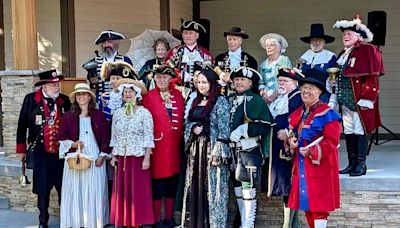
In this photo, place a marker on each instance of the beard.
(108, 51)
(282, 90)
(56, 95)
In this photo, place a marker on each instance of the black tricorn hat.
(163, 69)
(247, 72)
(314, 77)
(236, 31)
(49, 76)
(118, 68)
(109, 35)
(317, 31)
(292, 73)
(193, 26)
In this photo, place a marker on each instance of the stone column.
(14, 86)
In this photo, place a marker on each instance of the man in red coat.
(166, 105)
(184, 57)
(360, 65)
(313, 137)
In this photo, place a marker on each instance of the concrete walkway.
(19, 219)
(383, 173)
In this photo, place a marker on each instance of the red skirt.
(131, 201)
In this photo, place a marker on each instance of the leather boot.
(361, 168)
(239, 200)
(352, 149)
(249, 208)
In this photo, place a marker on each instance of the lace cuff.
(65, 145)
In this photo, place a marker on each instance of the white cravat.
(235, 57)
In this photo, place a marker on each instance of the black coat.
(48, 168)
(251, 61)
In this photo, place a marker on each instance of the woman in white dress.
(84, 195)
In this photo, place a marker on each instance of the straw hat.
(281, 40)
(138, 86)
(81, 88)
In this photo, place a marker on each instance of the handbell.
(222, 74)
(170, 63)
(333, 73)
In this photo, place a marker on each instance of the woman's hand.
(76, 144)
(146, 162)
(114, 161)
(197, 130)
(99, 161)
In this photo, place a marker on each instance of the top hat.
(356, 26)
(236, 31)
(81, 88)
(109, 35)
(293, 73)
(317, 31)
(314, 77)
(49, 76)
(193, 26)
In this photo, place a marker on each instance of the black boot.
(351, 145)
(361, 168)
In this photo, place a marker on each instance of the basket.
(79, 162)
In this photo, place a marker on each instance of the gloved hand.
(239, 132)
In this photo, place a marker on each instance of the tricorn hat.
(193, 26)
(246, 72)
(314, 77)
(317, 31)
(163, 69)
(357, 26)
(236, 31)
(292, 73)
(109, 35)
(118, 68)
(49, 76)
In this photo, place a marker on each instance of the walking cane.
(116, 194)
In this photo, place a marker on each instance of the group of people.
(184, 127)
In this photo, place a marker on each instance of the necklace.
(166, 97)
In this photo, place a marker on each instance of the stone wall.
(20, 198)
(14, 86)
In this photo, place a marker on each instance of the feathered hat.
(357, 26)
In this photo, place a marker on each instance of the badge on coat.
(38, 119)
